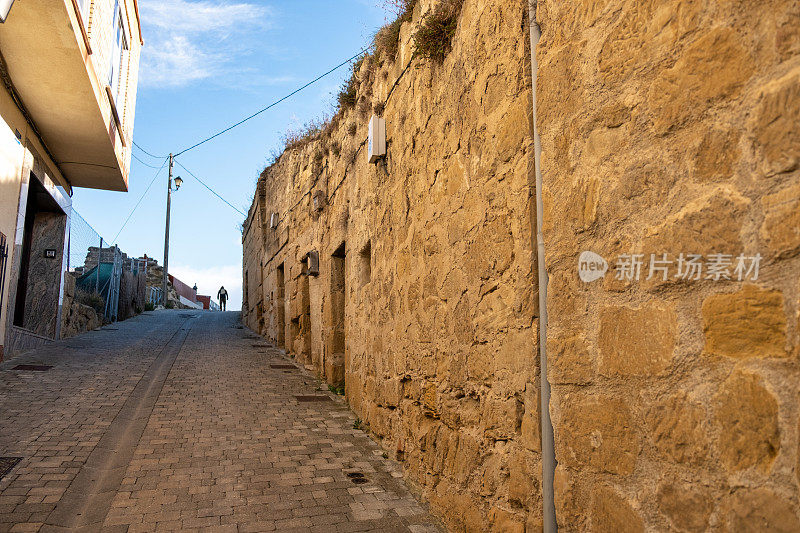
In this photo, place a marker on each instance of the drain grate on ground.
(357, 477)
(33, 368)
(7, 464)
(312, 398)
(283, 367)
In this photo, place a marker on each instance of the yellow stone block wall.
(441, 328)
(673, 127)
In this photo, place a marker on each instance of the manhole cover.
(33, 368)
(283, 367)
(7, 464)
(312, 398)
(353, 475)
(359, 480)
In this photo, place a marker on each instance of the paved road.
(181, 421)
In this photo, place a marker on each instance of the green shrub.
(387, 39)
(301, 137)
(348, 94)
(149, 306)
(434, 38)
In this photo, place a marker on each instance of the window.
(120, 47)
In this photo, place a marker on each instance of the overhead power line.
(148, 153)
(273, 104)
(140, 200)
(210, 189)
(142, 162)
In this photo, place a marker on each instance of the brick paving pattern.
(180, 422)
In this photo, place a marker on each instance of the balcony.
(47, 57)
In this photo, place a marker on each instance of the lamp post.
(178, 183)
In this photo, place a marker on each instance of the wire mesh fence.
(105, 278)
(83, 241)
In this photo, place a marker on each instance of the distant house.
(208, 303)
(68, 80)
(186, 294)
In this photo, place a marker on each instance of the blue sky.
(206, 65)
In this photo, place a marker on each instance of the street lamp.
(178, 183)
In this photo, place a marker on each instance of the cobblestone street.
(177, 420)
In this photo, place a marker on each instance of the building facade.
(70, 71)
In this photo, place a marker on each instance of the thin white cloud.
(193, 40)
(210, 279)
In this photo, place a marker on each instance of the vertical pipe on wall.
(548, 443)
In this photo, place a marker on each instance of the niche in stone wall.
(365, 263)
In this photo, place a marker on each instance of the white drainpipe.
(548, 442)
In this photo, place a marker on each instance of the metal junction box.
(377, 138)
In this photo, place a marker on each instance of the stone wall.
(673, 128)
(132, 294)
(424, 304)
(670, 134)
(76, 318)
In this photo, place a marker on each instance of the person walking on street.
(222, 296)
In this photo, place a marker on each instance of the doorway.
(280, 307)
(335, 362)
(39, 281)
(305, 314)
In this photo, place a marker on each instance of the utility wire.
(140, 201)
(148, 153)
(210, 189)
(142, 162)
(273, 104)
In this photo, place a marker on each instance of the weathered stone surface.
(570, 510)
(777, 124)
(712, 68)
(613, 514)
(706, 225)
(597, 433)
(636, 342)
(569, 359)
(746, 415)
(781, 227)
(748, 323)
(687, 507)
(677, 429)
(761, 509)
(717, 155)
(505, 521)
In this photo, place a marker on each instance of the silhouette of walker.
(222, 296)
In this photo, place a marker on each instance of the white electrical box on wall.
(273, 220)
(377, 138)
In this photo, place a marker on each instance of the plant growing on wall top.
(387, 39)
(434, 38)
